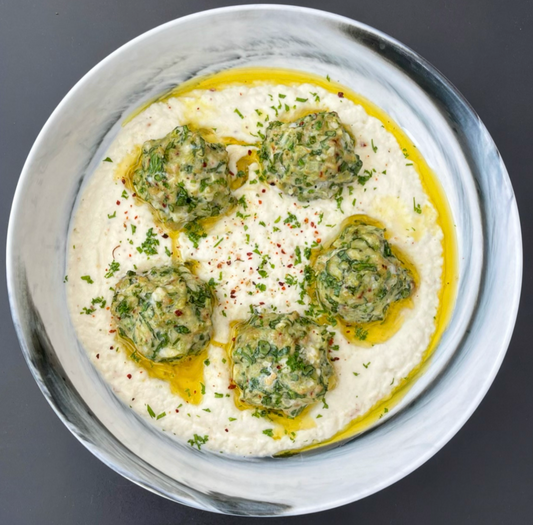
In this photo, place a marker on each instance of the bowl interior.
(441, 124)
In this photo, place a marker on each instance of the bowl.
(442, 125)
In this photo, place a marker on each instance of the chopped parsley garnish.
(374, 148)
(361, 333)
(292, 220)
(198, 441)
(125, 195)
(238, 112)
(297, 255)
(99, 300)
(87, 278)
(108, 159)
(113, 215)
(150, 411)
(298, 99)
(291, 280)
(242, 202)
(149, 246)
(268, 432)
(339, 199)
(113, 267)
(87, 311)
(417, 207)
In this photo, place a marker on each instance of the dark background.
(484, 475)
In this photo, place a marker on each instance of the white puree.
(233, 264)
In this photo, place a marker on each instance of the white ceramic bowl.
(442, 125)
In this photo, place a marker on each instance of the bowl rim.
(11, 272)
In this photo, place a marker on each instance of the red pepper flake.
(260, 202)
(112, 332)
(118, 203)
(289, 265)
(163, 204)
(111, 347)
(249, 152)
(228, 263)
(335, 359)
(129, 376)
(165, 236)
(133, 195)
(97, 356)
(283, 252)
(178, 313)
(177, 411)
(340, 94)
(330, 342)
(232, 386)
(249, 254)
(319, 240)
(123, 181)
(312, 224)
(226, 430)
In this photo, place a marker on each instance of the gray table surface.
(484, 475)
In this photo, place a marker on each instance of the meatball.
(358, 277)
(165, 312)
(183, 177)
(280, 362)
(311, 158)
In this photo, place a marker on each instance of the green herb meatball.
(280, 362)
(311, 158)
(165, 312)
(359, 277)
(183, 177)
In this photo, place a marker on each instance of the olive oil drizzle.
(432, 188)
